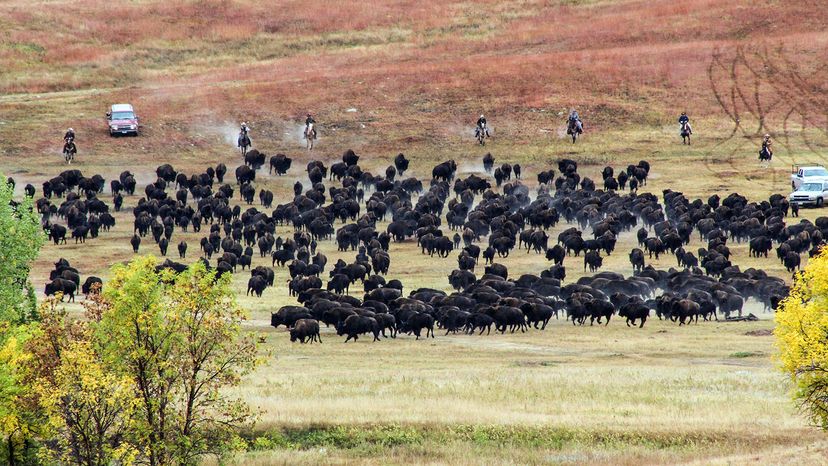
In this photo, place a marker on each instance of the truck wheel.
(819, 202)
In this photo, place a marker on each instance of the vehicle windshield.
(811, 187)
(123, 116)
(815, 172)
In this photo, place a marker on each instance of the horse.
(685, 132)
(69, 151)
(480, 134)
(310, 135)
(244, 143)
(765, 154)
(574, 128)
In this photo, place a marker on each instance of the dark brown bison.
(305, 330)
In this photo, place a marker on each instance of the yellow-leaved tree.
(802, 338)
(89, 408)
(18, 422)
(86, 406)
(144, 376)
(178, 338)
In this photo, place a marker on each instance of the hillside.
(418, 73)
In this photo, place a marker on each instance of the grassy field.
(596, 395)
(388, 77)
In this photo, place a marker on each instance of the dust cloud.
(295, 132)
(226, 132)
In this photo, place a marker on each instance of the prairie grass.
(607, 395)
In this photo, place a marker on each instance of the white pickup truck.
(811, 192)
(801, 175)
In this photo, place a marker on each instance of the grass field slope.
(384, 77)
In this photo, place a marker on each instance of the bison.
(356, 325)
(305, 330)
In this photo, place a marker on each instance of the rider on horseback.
(766, 153)
(308, 122)
(481, 126)
(244, 138)
(69, 136)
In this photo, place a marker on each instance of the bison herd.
(475, 218)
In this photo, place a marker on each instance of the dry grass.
(612, 378)
(418, 73)
(662, 394)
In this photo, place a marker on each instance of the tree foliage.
(802, 338)
(142, 378)
(179, 339)
(20, 242)
(21, 237)
(18, 422)
(87, 406)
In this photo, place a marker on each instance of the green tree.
(179, 339)
(20, 243)
(802, 338)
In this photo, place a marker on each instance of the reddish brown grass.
(418, 62)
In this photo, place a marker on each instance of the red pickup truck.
(122, 120)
